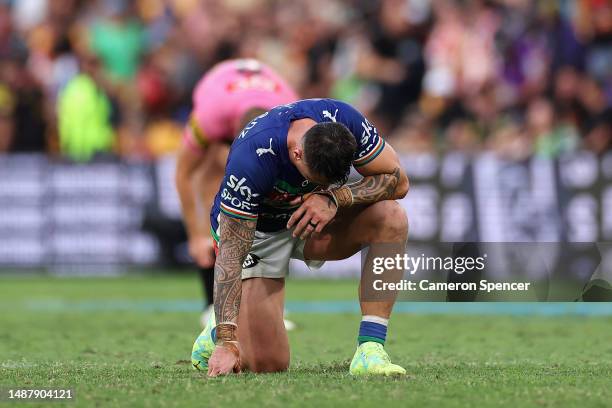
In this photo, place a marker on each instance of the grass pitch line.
(329, 307)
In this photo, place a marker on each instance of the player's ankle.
(372, 328)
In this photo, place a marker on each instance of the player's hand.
(224, 360)
(202, 250)
(314, 214)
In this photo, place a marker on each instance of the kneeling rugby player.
(274, 204)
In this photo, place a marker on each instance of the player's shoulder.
(316, 103)
(325, 102)
(345, 108)
(260, 137)
(327, 109)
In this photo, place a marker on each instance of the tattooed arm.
(374, 188)
(237, 238)
(235, 244)
(384, 179)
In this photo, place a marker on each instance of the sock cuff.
(375, 319)
(365, 339)
(372, 331)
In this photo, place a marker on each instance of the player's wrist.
(226, 333)
(227, 339)
(343, 196)
(329, 194)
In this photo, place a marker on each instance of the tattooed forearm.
(236, 240)
(375, 188)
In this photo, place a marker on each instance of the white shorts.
(270, 254)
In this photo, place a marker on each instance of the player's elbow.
(402, 186)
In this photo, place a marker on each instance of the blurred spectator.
(595, 20)
(84, 115)
(414, 134)
(550, 140)
(393, 60)
(7, 106)
(515, 76)
(22, 124)
(117, 38)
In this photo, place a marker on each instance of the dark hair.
(329, 149)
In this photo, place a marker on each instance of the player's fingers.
(315, 224)
(220, 371)
(301, 226)
(307, 232)
(213, 369)
(320, 226)
(296, 216)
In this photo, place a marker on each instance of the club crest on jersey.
(328, 115)
(261, 151)
(250, 261)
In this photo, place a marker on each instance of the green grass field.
(127, 341)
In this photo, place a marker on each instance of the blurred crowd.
(84, 78)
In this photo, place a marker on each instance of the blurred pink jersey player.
(226, 93)
(229, 96)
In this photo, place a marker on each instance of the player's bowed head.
(323, 155)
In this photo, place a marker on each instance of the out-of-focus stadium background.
(501, 111)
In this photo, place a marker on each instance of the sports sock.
(207, 277)
(373, 328)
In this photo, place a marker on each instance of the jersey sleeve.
(369, 142)
(248, 178)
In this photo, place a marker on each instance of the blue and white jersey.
(260, 181)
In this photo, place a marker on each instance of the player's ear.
(297, 153)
